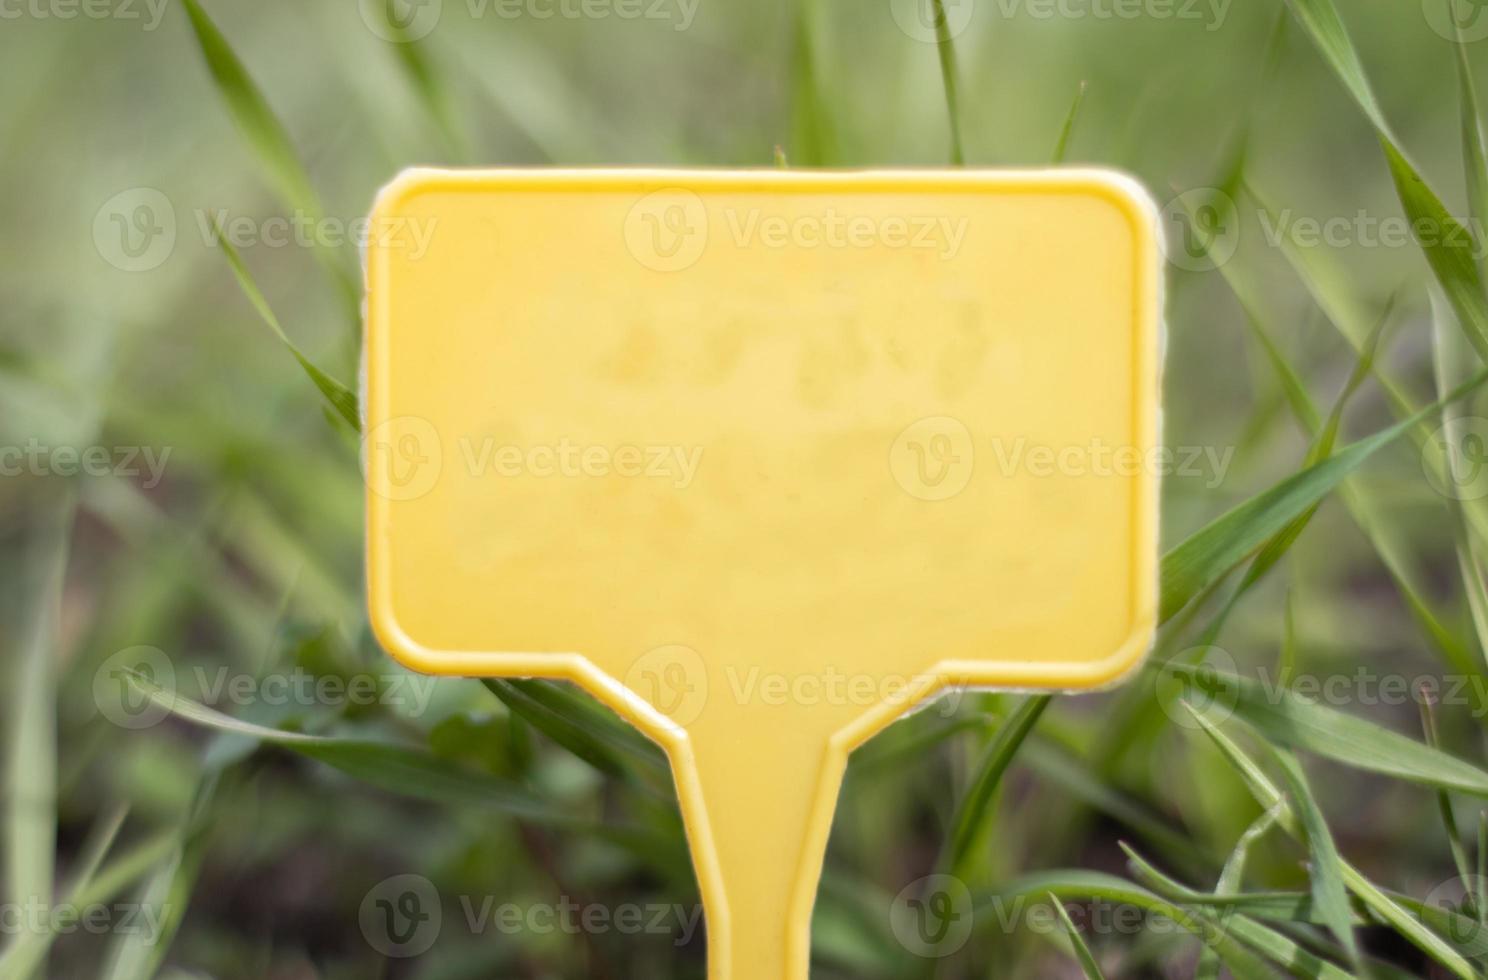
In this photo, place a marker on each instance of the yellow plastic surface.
(763, 459)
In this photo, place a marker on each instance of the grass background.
(259, 850)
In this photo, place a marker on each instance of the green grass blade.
(31, 729)
(339, 397)
(1462, 933)
(1365, 512)
(1093, 885)
(607, 745)
(1324, 439)
(24, 957)
(1268, 942)
(1322, 448)
(1450, 360)
(1381, 905)
(1444, 799)
(1217, 548)
(971, 813)
(1061, 148)
(1481, 891)
(1329, 894)
(251, 112)
(946, 48)
(1320, 19)
(1399, 918)
(1088, 966)
(576, 738)
(1474, 150)
(396, 768)
(812, 143)
(270, 142)
(1232, 876)
(434, 95)
(1452, 249)
(1294, 958)
(1292, 385)
(1059, 768)
(1467, 936)
(1286, 719)
(1266, 792)
(1327, 283)
(910, 742)
(138, 955)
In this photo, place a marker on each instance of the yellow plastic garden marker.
(762, 459)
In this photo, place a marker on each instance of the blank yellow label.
(763, 459)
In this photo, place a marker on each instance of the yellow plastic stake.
(762, 460)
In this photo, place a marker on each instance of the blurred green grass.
(247, 554)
